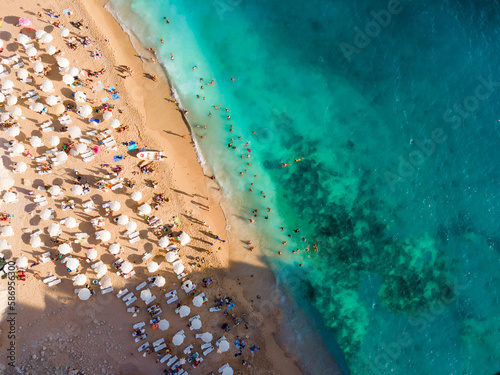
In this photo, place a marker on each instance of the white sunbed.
(88, 206)
(121, 293)
(131, 301)
(171, 293)
(20, 64)
(165, 358)
(128, 275)
(85, 140)
(160, 347)
(117, 186)
(147, 256)
(188, 349)
(171, 361)
(45, 257)
(92, 132)
(128, 296)
(134, 240)
(55, 282)
(143, 346)
(138, 325)
(206, 346)
(173, 299)
(141, 285)
(49, 279)
(158, 342)
(223, 367)
(141, 337)
(46, 127)
(33, 98)
(149, 300)
(209, 350)
(107, 290)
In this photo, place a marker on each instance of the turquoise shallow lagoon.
(393, 110)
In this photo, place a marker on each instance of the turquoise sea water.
(397, 123)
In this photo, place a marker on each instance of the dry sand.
(56, 331)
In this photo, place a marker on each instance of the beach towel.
(105, 99)
(115, 96)
(132, 146)
(118, 158)
(96, 120)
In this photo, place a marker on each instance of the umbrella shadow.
(5, 36)
(12, 47)
(12, 20)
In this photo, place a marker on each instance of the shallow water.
(399, 180)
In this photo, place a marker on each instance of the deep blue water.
(393, 108)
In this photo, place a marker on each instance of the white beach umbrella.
(23, 39)
(9, 197)
(7, 231)
(84, 111)
(145, 209)
(22, 74)
(227, 371)
(64, 32)
(79, 279)
(47, 86)
(67, 79)
(61, 157)
(91, 253)
(14, 131)
(103, 235)
(4, 245)
(73, 71)
(163, 324)
(54, 229)
(52, 100)
(58, 109)
(4, 117)
(136, 196)
(50, 50)
(153, 267)
(38, 67)
(171, 256)
(159, 281)
(77, 190)
(64, 248)
(178, 339)
(54, 141)
(39, 33)
(207, 337)
(105, 282)
(81, 148)
(114, 249)
(115, 206)
(164, 242)
(46, 38)
(131, 226)
(198, 301)
(55, 190)
(72, 264)
(80, 97)
(31, 51)
(7, 84)
(223, 346)
(127, 267)
(122, 220)
(2, 96)
(37, 107)
(16, 112)
(70, 222)
(107, 115)
(178, 267)
(35, 241)
(36, 141)
(17, 149)
(22, 263)
(184, 238)
(20, 167)
(145, 294)
(184, 311)
(84, 294)
(75, 132)
(11, 100)
(45, 214)
(100, 269)
(196, 324)
(114, 123)
(63, 62)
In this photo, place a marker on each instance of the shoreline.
(146, 104)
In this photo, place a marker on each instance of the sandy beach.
(56, 332)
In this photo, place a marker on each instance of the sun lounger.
(160, 347)
(149, 300)
(143, 346)
(85, 140)
(173, 299)
(88, 206)
(171, 361)
(135, 239)
(107, 290)
(158, 342)
(141, 337)
(182, 275)
(138, 325)
(45, 257)
(147, 256)
(133, 234)
(220, 340)
(223, 367)
(205, 346)
(188, 349)
(20, 64)
(131, 301)
(49, 279)
(41, 159)
(5, 73)
(209, 350)
(214, 309)
(121, 293)
(141, 285)
(171, 293)
(55, 282)
(117, 186)
(128, 296)
(129, 275)
(92, 132)
(165, 358)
